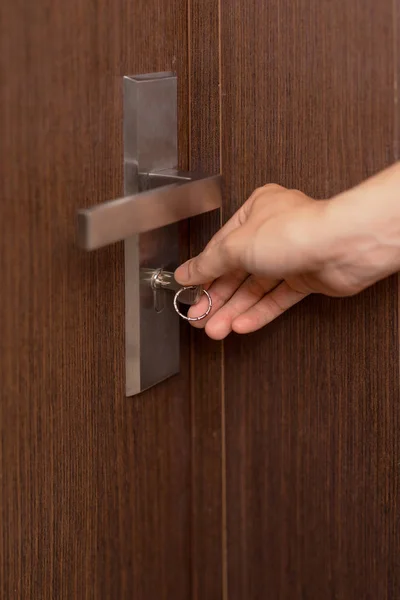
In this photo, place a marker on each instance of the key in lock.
(163, 282)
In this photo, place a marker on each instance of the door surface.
(269, 468)
(309, 100)
(95, 488)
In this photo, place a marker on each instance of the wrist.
(363, 227)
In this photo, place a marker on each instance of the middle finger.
(247, 295)
(221, 290)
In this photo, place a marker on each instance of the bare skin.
(282, 245)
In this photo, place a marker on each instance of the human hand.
(277, 248)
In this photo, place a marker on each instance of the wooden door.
(95, 488)
(269, 468)
(310, 416)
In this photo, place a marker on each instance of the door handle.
(156, 197)
(182, 196)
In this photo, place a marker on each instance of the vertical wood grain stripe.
(206, 355)
(312, 401)
(94, 486)
(225, 588)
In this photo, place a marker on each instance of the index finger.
(217, 258)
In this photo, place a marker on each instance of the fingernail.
(182, 273)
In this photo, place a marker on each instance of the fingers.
(271, 306)
(247, 295)
(217, 259)
(221, 290)
(227, 248)
(233, 223)
(207, 266)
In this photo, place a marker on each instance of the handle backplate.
(156, 197)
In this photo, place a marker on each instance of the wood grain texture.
(206, 355)
(312, 401)
(95, 488)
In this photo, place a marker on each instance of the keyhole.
(158, 299)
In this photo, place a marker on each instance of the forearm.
(365, 225)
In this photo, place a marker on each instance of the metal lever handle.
(185, 195)
(156, 196)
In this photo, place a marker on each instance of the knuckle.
(194, 267)
(272, 187)
(267, 195)
(255, 287)
(268, 188)
(229, 249)
(297, 194)
(203, 267)
(276, 307)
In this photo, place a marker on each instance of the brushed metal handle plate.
(156, 197)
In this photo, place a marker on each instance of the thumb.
(213, 262)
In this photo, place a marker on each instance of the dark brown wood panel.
(312, 401)
(206, 355)
(95, 488)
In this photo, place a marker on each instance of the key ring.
(192, 287)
